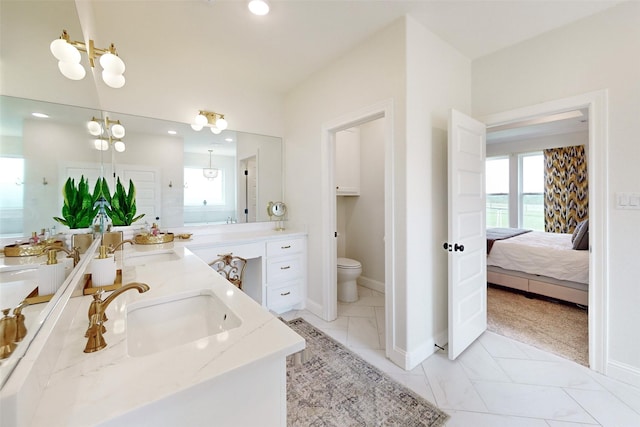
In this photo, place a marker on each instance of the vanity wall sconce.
(108, 132)
(67, 52)
(215, 121)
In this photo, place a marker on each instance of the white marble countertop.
(88, 388)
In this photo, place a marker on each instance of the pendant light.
(210, 173)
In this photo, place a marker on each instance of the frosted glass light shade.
(115, 81)
(221, 123)
(259, 7)
(201, 120)
(117, 131)
(196, 127)
(119, 146)
(215, 130)
(112, 63)
(63, 51)
(70, 70)
(210, 173)
(101, 144)
(94, 127)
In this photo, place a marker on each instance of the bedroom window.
(531, 191)
(497, 188)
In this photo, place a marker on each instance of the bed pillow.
(580, 238)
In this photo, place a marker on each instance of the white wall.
(438, 79)
(359, 79)
(175, 92)
(424, 77)
(599, 52)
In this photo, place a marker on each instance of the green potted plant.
(79, 208)
(121, 206)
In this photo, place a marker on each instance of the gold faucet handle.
(21, 329)
(95, 306)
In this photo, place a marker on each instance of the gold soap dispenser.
(103, 269)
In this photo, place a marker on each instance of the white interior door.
(467, 234)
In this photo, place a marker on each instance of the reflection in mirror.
(165, 161)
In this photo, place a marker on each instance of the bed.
(540, 263)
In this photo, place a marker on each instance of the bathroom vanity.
(192, 350)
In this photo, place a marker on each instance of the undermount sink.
(142, 259)
(159, 324)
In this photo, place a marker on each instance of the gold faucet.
(97, 316)
(112, 248)
(74, 253)
(12, 329)
(7, 334)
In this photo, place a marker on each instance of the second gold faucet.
(97, 316)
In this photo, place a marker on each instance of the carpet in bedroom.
(549, 325)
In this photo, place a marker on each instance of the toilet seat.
(347, 263)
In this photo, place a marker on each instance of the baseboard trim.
(315, 308)
(371, 284)
(409, 360)
(623, 372)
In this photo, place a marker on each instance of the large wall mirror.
(168, 163)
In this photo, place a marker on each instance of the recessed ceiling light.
(259, 7)
(40, 115)
(229, 139)
(172, 132)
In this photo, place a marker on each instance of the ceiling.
(199, 52)
(277, 51)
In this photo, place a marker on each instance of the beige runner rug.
(552, 326)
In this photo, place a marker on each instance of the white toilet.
(348, 272)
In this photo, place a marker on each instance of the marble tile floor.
(497, 382)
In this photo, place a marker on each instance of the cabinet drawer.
(284, 297)
(284, 269)
(285, 247)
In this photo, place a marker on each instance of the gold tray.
(35, 298)
(150, 239)
(28, 249)
(89, 289)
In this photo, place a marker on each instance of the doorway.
(536, 179)
(382, 111)
(596, 104)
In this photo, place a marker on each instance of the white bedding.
(545, 254)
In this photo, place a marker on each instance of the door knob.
(451, 248)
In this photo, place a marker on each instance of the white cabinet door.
(467, 235)
(348, 162)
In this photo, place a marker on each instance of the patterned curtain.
(566, 192)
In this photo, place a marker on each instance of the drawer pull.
(285, 247)
(286, 293)
(286, 267)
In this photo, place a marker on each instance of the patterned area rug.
(334, 387)
(553, 326)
